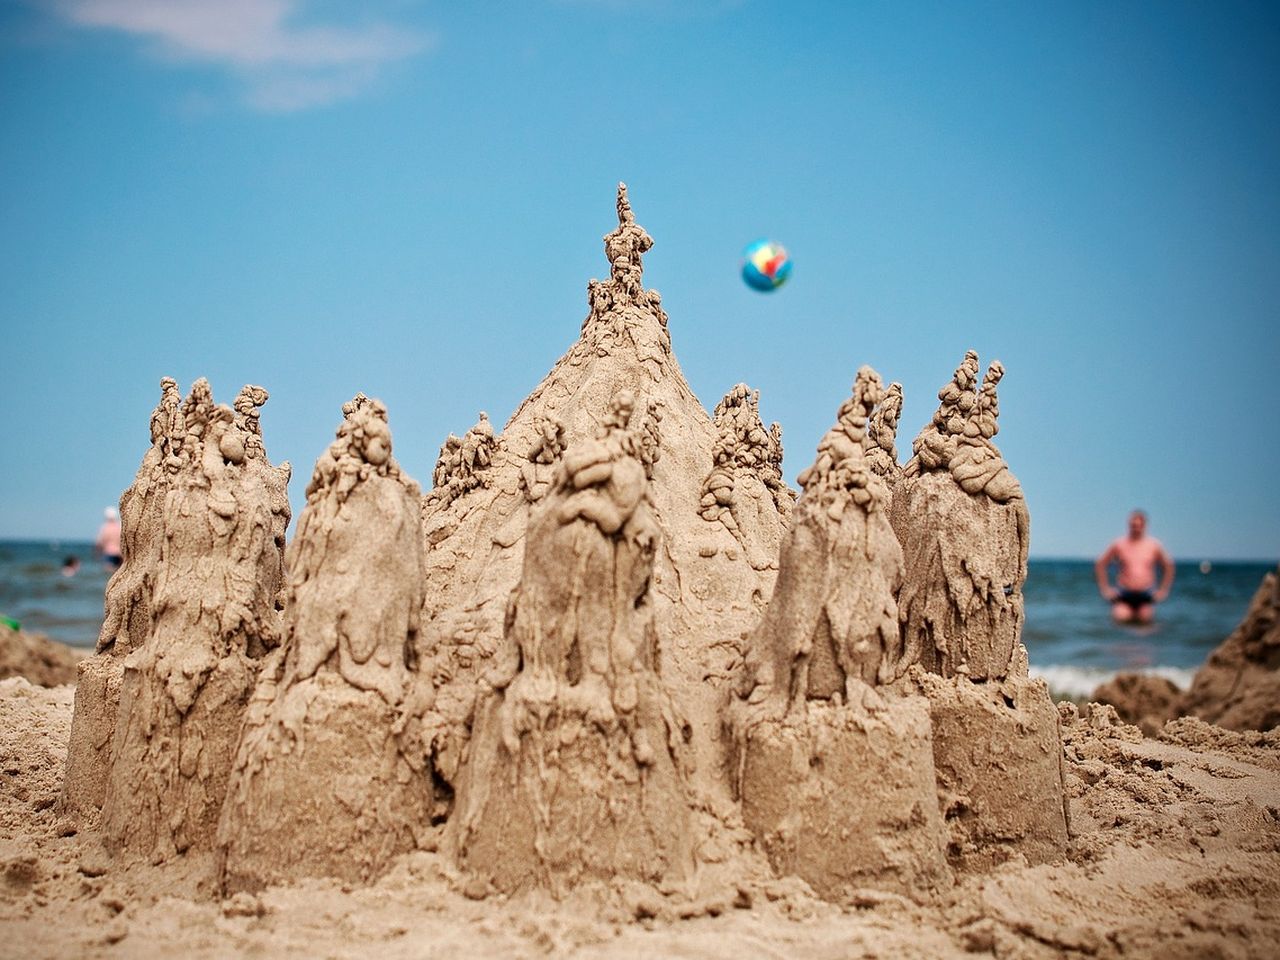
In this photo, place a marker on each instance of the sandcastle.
(608, 645)
(963, 524)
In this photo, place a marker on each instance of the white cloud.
(284, 65)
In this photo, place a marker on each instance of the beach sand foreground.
(1175, 851)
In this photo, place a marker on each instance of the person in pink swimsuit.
(108, 541)
(1136, 592)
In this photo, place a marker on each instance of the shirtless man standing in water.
(1135, 594)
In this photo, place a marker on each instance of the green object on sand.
(11, 623)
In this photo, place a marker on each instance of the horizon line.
(1043, 558)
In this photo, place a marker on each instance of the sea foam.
(1078, 683)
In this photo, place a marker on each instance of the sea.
(1069, 635)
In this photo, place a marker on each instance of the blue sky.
(410, 203)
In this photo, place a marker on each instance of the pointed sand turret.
(321, 785)
(709, 584)
(964, 528)
(834, 756)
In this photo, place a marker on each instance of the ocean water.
(34, 591)
(1074, 645)
(1069, 635)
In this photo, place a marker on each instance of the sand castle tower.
(963, 524)
(321, 785)
(881, 440)
(214, 595)
(835, 762)
(576, 767)
(964, 528)
(128, 616)
(709, 581)
(744, 491)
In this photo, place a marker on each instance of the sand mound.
(1142, 699)
(40, 660)
(1239, 685)
(33, 741)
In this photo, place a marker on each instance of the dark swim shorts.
(1135, 598)
(114, 559)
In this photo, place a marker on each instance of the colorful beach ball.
(765, 265)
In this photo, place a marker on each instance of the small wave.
(1077, 683)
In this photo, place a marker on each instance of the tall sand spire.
(834, 765)
(577, 765)
(127, 609)
(709, 583)
(322, 785)
(965, 531)
(882, 432)
(184, 452)
(832, 626)
(963, 524)
(745, 491)
(214, 614)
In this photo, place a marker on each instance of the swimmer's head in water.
(1137, 523)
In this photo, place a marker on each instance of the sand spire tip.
(625, 214)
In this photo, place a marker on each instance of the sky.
(407, 199)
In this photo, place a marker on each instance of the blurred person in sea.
(1136, 590)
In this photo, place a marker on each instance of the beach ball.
(765, 265)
